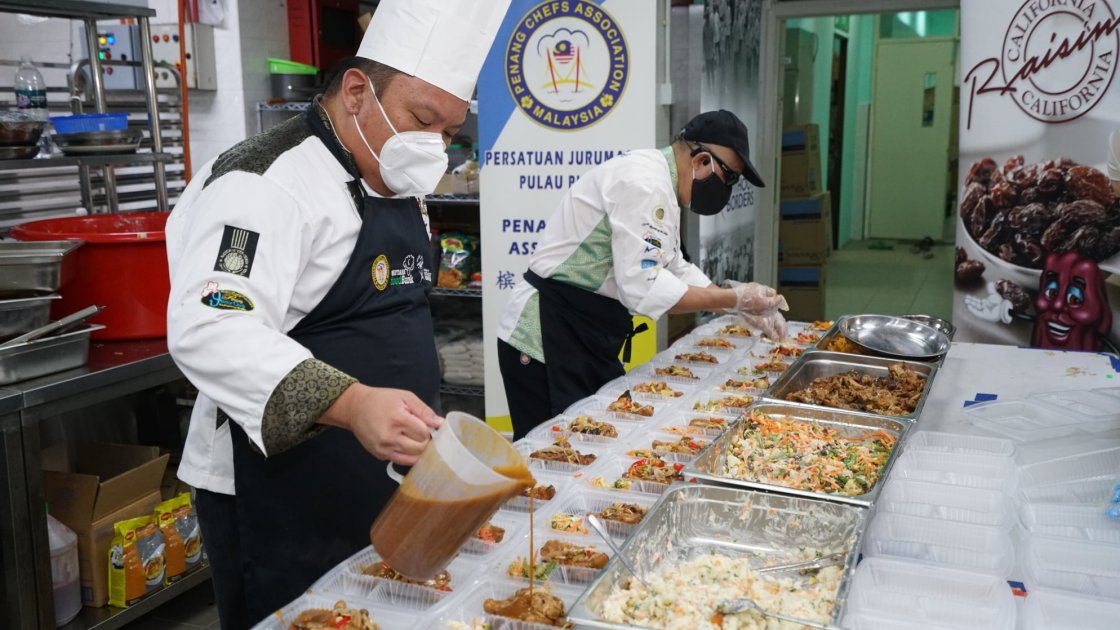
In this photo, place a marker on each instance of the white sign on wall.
(568, 85)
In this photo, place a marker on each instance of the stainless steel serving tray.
(893, 336)
(694, 519)
(834, 332)
(709, 464)
(46, 355)
(21, 315)
(817, 363)
(34, 267)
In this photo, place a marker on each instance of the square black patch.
(239, 247)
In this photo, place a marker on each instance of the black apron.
(303, 511)
(582, 333)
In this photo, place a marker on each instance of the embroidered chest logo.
(237, 251)
(380, 272)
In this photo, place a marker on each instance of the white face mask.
(412, 162)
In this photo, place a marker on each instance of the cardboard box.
(805, 230)
(804, 289)
(801, 174)
(801, 138)
(94, 486)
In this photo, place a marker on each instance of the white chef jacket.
(307, 227)
(617, 233)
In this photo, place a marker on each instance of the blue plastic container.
(80, 123)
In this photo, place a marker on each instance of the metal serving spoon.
(742, 605)
(601, 529)
(807, 565)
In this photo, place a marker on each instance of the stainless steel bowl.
(895, 336)
(95, 142)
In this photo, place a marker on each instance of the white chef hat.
(442, 42)
(1114, 156)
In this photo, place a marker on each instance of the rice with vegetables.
(686, 596)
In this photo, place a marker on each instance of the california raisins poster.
(1038, 229)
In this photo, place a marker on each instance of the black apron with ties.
(303, 511)
(582, 333)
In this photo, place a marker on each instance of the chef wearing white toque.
(300, 268)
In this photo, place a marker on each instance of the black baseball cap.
(725, 129)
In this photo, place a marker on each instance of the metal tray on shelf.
(34, 267)
(46, 355)
(695, 519)
(20, 315)
(893, 336)
(820, 363)
(709, 465)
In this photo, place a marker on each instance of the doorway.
(879, 90)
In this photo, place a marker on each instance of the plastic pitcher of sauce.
(461, 478)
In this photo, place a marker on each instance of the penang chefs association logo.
(567, 63)
(379, 272)
(1057, 61)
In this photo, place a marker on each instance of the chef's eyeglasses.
(730, 177)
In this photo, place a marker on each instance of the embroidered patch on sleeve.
(239, 247)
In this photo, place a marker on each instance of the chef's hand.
(752, 298)
(1113, 508)
(393, 424)
(773, 325)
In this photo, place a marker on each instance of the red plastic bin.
(122, 266)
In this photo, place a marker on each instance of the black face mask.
(709, 195)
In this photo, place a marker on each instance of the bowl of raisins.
(1015, 215)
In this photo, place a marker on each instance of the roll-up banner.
(1038, 224)
(568, 85)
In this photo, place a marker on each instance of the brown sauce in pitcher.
(418, 536)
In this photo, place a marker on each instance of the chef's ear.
(701, 160)
(355, 90)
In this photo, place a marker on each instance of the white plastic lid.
(1087, 465)
(1023, 421)
(1091, 409)
(959, 443)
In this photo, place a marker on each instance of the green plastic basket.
(284, 66)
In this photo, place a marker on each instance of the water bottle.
(31, 90)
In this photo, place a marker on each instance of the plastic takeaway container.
(929, 595)
(64, 571)
(1047, 609)
(122, 266)
(975, 506)
(1071, 565)
(958, 545)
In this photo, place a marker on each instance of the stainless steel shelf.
(86, 160)
(114, 369)
(466, 293)
(462, 390)
(109, 618)
(74, 9)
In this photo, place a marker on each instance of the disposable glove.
(1113, 509)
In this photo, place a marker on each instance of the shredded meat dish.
(628, 513)
(441, 582)
(697, 357)
(562, 451)
(590, 426)
(896, 394)
(679, 371)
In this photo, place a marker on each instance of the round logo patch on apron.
(380, 272)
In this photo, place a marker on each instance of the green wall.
(861, 51)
